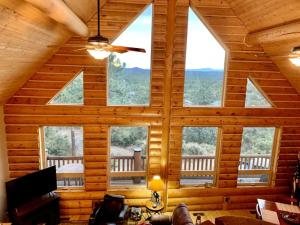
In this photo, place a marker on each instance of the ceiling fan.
(99, 46)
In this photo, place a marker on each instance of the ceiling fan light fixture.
(295, 61)
(98, 53)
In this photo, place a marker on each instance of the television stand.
(43, 209)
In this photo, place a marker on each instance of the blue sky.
(203, 51)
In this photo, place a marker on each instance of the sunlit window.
(204, 66)
(254, 98)
(72, 93)
(129, 73)
(128, 155)
(63, 147)
(256, 155)
(199, 150)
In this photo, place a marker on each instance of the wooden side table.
(153, 210)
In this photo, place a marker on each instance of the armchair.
(110, 211)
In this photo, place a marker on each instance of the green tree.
(129, 136)
(72, 93)
(56, 143)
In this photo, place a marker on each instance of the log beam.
(60, 12)
(277, 33)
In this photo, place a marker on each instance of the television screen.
(30, 186)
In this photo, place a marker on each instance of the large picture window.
(204, 66)
(128, 155)
(199, 151)
(129, 73)
(257, 153)
(62, 146)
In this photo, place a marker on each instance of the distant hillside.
(213, 73)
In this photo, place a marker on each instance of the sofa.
(181, 216)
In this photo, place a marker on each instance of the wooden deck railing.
(134, 166)
(67, 177)
(254, 162)
(63, 160)
(197, 162)
(127, 163)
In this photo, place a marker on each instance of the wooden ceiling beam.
(60, 12)
(277, 33)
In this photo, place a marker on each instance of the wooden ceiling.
(260, 15)
(26, 34)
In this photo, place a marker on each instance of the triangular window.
(204, 65)
(254, 98)
(129, 73)
(72, 93)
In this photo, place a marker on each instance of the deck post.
(137, 155)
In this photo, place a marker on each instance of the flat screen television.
(26, 188)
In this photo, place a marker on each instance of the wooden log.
(59, 11)
(278, 33)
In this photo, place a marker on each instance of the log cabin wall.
(26, 111)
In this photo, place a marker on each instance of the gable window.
(129, 73)
(62, 146)
(199, 151)
(257, 154)
(128, 155)
(204, 66)
(254, 97)
(71, 94)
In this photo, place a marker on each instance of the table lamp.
(156, 184)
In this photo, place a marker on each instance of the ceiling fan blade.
(79, 49)
(122, 49)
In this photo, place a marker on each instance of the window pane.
(198, 155)
(204, 66)
(256, 153)
(253, 178)
(254, 98)
(70, 94)
(129, 73)
(128, 155)
(64, 149)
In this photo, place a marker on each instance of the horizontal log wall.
(26, 111)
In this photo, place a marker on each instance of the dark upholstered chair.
(110, 211)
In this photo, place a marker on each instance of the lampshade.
(295, 61)
(156, 184)
(98, 53)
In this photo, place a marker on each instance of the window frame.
(215, 173)
(271, 172)
(226, 58)
(42, 154)
(145, 173)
